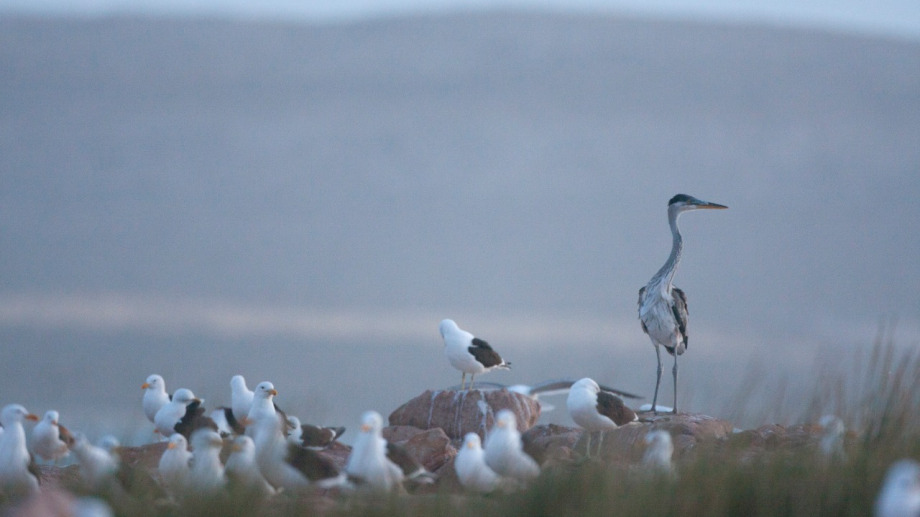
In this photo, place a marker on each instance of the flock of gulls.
(272, 452)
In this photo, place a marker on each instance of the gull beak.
(236, 447)
(469, 445)
(245, 421)
(32, 418)
(171, 445)
(365, 428)
(145, 386)
(274, 393)
(54, 422)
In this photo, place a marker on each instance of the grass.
(879, 399)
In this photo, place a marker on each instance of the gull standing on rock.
(174, 464)
(368, 464)
(596, 410)
(155, 396)
(18, 474)
(50, 440)
(471, 468)
(504, 450)
(663, 307)
(468, 353)
(180, 414)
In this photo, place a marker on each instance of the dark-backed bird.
(310, 435)
(663, 307)
(596, 410)
(468, 353)
(18, 472)
(183, 414)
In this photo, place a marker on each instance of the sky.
(898, 18)
(166, 210)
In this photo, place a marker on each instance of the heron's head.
(683, 203)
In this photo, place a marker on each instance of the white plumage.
(242, 470)
(596, 410)
(207, 472)
(368, 464)
(504, 450)
(900, 494)
(240, 397)
(15, 478)
(155, 396)
(657, 456)
(97, 465)
(172, 412)
(471, 468)
(174, 464)
(46, 438)
(468, 353)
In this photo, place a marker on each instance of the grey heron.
(663, 307)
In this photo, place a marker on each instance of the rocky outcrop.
(432, 447)
(468, 411)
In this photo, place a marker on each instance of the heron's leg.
(675, 384)
(657, 381)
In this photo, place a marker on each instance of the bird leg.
(675, 384)
(658, 380)
(462, 381)
(600, 443)
(472, 376)
(588, 444)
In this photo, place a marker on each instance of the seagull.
(50, 441)
(368, 464)
(471, 468)
(283, 464)
(155, 396)
(207, 472)
(504, 450)
(242, 470)
(663, 307)
(97, 465)
(174, 464)
(900, 494)
(18, 474)
(313, 436)
(183, 414)
(596, 410)
(660, 449)
(469, 354)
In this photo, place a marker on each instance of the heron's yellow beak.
(712, 206)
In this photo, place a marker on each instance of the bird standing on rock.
(155, 396)
(468, 353)
(471, 468)
(596, 410)
(50, 440)
(663, 307)
(504, 450)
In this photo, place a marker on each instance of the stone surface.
(468, 411)
(431, 447)
(550, 442)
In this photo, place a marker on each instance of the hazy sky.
(892, 17)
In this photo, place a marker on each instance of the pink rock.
(550, 442)
(468, 411)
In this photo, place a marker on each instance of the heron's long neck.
(665, 275)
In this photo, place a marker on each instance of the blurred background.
(300, 192)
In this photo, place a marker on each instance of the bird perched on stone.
(155, 396)
(50, 440)
(313, 436)
(19, 476)
(368, 465)
(596, 410)
(97, 465)
(470, 466)
(174, 464)
(468, 353)
(183, 414)
(241, 468)
(206, 474)
(504, 450)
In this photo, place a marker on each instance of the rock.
(432, 447)
(550, 442)
(627, 443)
(337, 452)
(468, 411)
